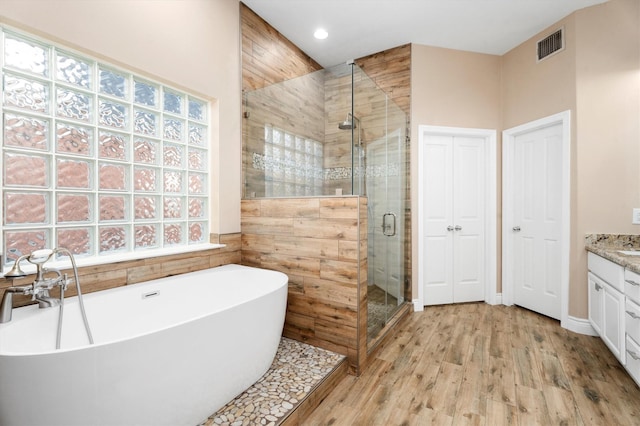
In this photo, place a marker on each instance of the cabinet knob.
(633, 283)
(516, 229)
(598, 287)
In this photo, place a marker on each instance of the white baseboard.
(417, 305)
(579, 325)
(496, 301)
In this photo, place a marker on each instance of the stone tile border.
(296, 370)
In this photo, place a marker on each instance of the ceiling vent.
(550, 45)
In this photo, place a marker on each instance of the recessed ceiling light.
(321, 34)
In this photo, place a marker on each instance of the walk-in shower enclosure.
(333, 132)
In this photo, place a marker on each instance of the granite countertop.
(608, 246)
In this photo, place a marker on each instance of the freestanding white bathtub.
(167, 352)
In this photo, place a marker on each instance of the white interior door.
(454, 194)
(537, 220)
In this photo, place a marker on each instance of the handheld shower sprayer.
(39, 289)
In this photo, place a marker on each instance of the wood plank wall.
(268, 57)
(103, 277)
(321, 244)
(391, 71)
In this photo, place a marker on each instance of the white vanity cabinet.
(607, 303)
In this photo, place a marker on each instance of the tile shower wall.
(321, 244)
(103, 277)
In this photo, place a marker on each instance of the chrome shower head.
(349, 123)
(346, 125)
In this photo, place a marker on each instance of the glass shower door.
(386, 198)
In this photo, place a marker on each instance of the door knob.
(516, 229)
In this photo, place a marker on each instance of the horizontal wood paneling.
(315, 241)
(103, 277)
(339, 229)
(316, 247)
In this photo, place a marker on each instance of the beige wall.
(191, 44)
(455, 89)
(533, 90)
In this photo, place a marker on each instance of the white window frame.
(95, 94)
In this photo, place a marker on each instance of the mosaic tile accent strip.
(296, 370)
(268, 163)
(289, 167)
(372, 171)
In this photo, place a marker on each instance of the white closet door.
(468, 218)
(454, 194)
(438, 220)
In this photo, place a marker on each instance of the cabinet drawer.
(632, 320)
(632, 285)
(633, 359)
(607, 270)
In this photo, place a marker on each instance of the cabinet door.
(596, 292)
(613, 318)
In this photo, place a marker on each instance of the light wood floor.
(485, 365)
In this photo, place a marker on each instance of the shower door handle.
(388, 229)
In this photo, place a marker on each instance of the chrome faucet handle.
(39, 257)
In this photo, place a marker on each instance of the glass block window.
(292, 164)
(97, 159)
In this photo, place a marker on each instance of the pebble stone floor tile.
(296, 370)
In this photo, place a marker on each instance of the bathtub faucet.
(39, 289)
